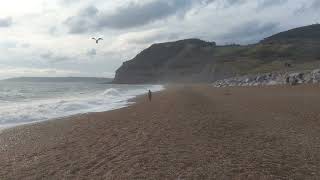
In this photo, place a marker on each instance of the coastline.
(187, 132)
(130, 102)
(118, 105)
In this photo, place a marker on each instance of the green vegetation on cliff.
(194, 60)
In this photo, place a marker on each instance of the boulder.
(276, 78)
(292, 80)
(315, 76)
(295, 78)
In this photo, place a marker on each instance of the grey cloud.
(70, 2)
(229, 3)
(132, 15)
(9, 44)
(92, 52)
(53, 58)
(137, 15)
(53, 30)
(250, 32)
(5, 22)
(316, 4)
(232, 2)
(90, 11)
(156, 38)
(25, 45)
(14, 44)
(84, 21)
(306, 7)
(56, 31)
(262, 4)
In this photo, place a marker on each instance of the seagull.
(97, 40)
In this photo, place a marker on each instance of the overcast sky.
(53, 37)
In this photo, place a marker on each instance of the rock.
(292, 80)
(260, 78)
(308, 78)
(274, 79)
(287, 80)
(295, 78)
(315, 76)
(271, 83)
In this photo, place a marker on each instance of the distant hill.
(194, 60)
(60, 79)
(311, 33)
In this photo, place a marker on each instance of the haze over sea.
(27, 102)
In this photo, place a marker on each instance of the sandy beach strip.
(187, 132)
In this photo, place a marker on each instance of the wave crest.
(111, 92)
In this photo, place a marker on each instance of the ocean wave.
(111, 92)
(15, 113)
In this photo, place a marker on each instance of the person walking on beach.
(150, 95)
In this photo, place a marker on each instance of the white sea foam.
(14, 113)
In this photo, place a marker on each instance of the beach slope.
(186, 132)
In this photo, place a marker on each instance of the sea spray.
(33, 102)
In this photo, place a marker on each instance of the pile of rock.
(276, 78)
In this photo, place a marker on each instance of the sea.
(29, 102)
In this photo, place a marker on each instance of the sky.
(53, 37)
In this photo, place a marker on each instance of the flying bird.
(97, 40)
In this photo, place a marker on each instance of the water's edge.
(126, 103)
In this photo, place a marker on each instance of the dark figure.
(150, 95)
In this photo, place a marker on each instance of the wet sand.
(191, 132)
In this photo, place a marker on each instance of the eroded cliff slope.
(194, 60)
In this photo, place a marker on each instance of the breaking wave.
(33, 110)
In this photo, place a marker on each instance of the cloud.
(5, 22)
(249, 32)
(308, 7)
(8, 44)
(53, 58)
(53, 30)
(130, 16)
(84, 21)
(263, 4)
(92, 52)
(228, 3)
(7, 72)
(316, 4)
(25, 45)
(149, 36)
(68, 1)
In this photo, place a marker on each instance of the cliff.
(194, 60)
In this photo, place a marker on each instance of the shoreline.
(128, 102)
(187, 132)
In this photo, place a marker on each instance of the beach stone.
(250, 79)
(292, 80)
(271, 83)
(287, 80)
(260, 78)
(295, 78)
(276, 78)
(316, 76)
(308, 78)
